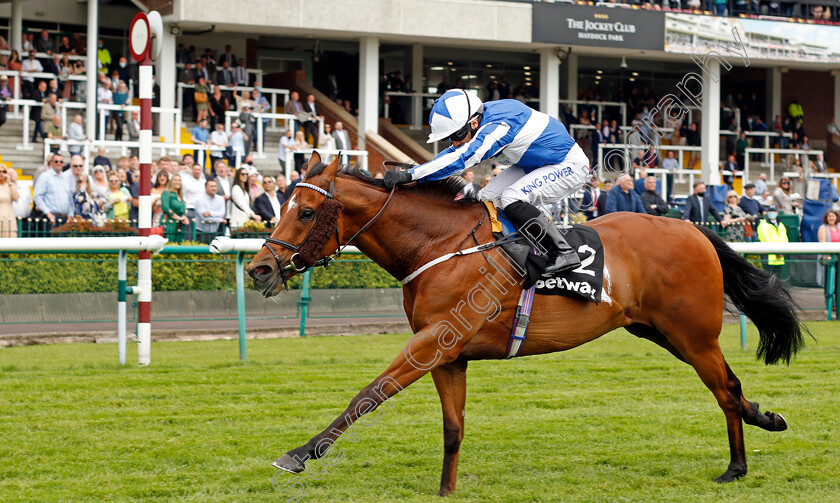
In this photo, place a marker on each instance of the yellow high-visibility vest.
(769, 233)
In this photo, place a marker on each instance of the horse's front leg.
(451, 384)
(422, 354)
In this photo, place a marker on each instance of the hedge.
(22, 273)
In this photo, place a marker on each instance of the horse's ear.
(331, 170)
(314, 159)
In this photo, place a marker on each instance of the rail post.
(121, 307)
(304, 302)
(240, 302)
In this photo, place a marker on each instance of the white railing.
(780, 151)
(626, 148)
(164, 148)
(766, 135)
(289, 120)
(362, 156)
(271, 92)
(26, 105)
(104, 110)
(601, 105)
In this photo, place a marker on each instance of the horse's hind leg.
(708, 362)
(451, 383)
(751, 413)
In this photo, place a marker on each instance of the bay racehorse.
(664, 281)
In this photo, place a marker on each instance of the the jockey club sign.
(598, 26)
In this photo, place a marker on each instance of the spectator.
(472, 188)
(159, 185)
(192, 184)
(54, 133)
(698, 207)
(76, 133)
(210, 212)
(247, 122)
(202, 93)
(781, 196)
(624, 198)
(829, 231)
(28, 83)
(103, 57)
(594, 201)
(219, 140)
(342, 138)
(731, 166)
(200, 136)
(240, 210)
(79, 44)
(175, 219)
(261, 106)
(224, 76)
(38, 95)
(14, 65)
(98, 185)
(795, 110)
(748, 203)
(187, 76)
(240, 73)
(735, 219)
(761, 183)
(104, 96)
(672, 165)
(224, 183)
(83, 202)
(255, 189)
(75, 173)
(287, 144)
(118, 199)
(28, 42)
(120, 98)
(64, 47)
(293, 106)
(8, 195)
(218, 104)
(741, 147)
(122, 175)
(228, 57)
(51, 194)
(267, 205)
(237, 140)
(327, 142)
(22, 207)
(300, 144)
(692, 139)
(654, 205)
(770, 230)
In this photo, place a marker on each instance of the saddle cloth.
(584, 282)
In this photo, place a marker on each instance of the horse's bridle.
(324, 261)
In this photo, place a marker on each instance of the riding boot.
(530, 221)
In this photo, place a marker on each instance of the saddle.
(585, 282)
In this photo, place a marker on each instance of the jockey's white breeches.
(541, 187)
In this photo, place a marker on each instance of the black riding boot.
(530, 221)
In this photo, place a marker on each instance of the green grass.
(615, 420)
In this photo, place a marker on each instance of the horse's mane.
(445, 190)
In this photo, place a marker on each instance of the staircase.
(11, 135)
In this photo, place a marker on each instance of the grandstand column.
(92, 71)
(16, 27)
(419, 86)
(572, 76)
(167, 75)
(710, 125)
(549, 82)
(836, 115)
(775, 94)
(368, 87)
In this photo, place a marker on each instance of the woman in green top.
(174, 210)
(202, 107)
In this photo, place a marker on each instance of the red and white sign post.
(144, 29)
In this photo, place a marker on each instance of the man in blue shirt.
(623, 197)
(200, 135)
(545, 165)
(748, 202)
(51, 194)
(209, 212)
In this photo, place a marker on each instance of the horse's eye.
(306, 214)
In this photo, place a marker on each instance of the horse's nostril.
(260, 271)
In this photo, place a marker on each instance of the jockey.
(545, 165)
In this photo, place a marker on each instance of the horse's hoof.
(779, 423)
(288, 463)
(730, 476)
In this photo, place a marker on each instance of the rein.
(324, 262)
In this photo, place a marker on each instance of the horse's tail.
(764, 299)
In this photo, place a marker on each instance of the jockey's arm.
(488, 141)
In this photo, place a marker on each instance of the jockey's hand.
(396, 176)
